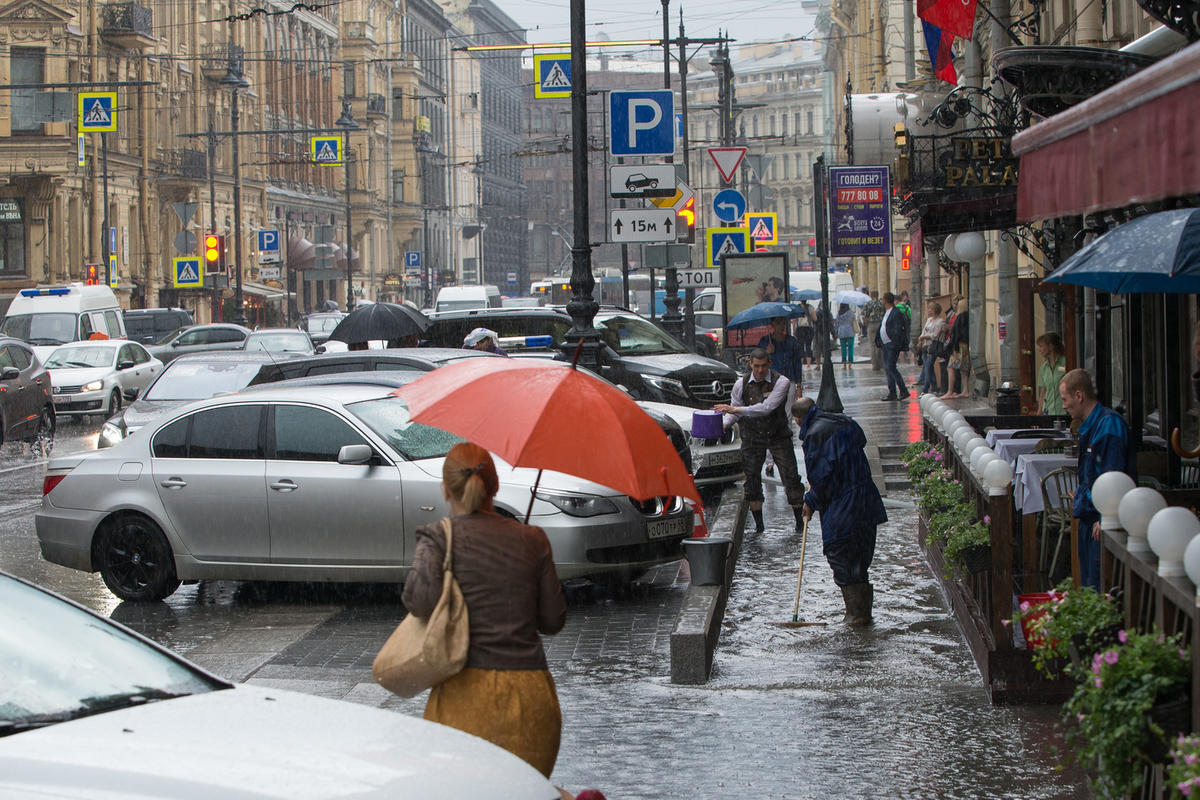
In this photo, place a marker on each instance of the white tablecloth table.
(1009, 449)
(1027, 479)
(1006, 434)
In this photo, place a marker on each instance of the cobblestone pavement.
(896, 711)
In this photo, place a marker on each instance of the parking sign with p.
(642, 123)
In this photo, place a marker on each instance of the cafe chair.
(1049, 445)
(1151, 481)
(1189, 475)
(1056, 517)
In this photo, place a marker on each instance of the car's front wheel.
(114, 403)
(135, 559)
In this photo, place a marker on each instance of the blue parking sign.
(412, 259)
(642, 122)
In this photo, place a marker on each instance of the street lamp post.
(346, 123)
(236, 81)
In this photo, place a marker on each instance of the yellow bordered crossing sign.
(763, 226)
(97, 112)
(726, 240)
(187, 273)
(326, 150)
(553, 72)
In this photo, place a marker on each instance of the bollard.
(706, 559)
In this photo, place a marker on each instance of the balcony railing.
(218, 59)
(360, 30)
(184, 163)
(376, 105)
(127, 21)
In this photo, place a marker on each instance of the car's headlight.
(94, 386)
(110, 434)
(665, 385)
(578, 505)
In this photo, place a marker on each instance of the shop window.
(12, 236)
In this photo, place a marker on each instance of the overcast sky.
(746, 20)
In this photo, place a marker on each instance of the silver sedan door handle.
(174, 483)
(284, 485)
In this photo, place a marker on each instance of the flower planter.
(1174, 717)
(1083, 645)
(978, 558)
(1034, 599)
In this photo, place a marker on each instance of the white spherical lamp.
(936, 412)
(970, 246)
(1169, 533)
(948, 247)
(974, 444)
(924, 401)
(1191, 562)
(962, 435)
(1107, 492)
(1135, 511)
(955, 424)
(979, 458)
(997, 476)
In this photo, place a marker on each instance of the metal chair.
(1049, 445)
(1151, 481)
(1189, 475)
(1056, 516)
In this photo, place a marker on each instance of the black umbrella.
(379, 321)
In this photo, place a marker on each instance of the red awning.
(1136, 142)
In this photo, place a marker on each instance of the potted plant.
(970, 545)
(1075, 622)
(1111, 724)
(938, 491)
(959, 515)
(1183, 772)
(920, 458)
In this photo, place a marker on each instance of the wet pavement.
(897, 710)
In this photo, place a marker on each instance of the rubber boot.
(758, 521)
(859, 598)
(799, 512)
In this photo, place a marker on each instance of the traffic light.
(685, 222)
(812, 245)
(905, 257)
(92, 275)
(214, 253)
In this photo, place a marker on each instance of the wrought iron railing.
(184, 163)
(376, 105)
(127, 18)
(218, 59)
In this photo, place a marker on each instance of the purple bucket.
(707, 424)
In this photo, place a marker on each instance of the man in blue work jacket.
(1103, 447)
(845, 494)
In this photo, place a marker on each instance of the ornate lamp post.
(346, 123)
(236, 81)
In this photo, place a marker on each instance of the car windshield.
(81, 357)
(630, 335)
(388, 417)
(280, 342)
(321, 324)
(41, 329)
(184, 380)
(60, 662)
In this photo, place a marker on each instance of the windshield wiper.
(44, 341)
(88, 707)
(11, 726)
(78, 364)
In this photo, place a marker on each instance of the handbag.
(420, 653)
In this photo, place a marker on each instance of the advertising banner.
(860, 214)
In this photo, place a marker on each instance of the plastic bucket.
(706, 559)
(707, 424)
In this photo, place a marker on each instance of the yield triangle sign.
(727, 160)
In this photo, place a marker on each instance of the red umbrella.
(532, 413)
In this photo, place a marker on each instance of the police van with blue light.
(48, 316)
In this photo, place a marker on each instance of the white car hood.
(251, 742)
(77, 376)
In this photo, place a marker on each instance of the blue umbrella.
(762, 313)
(1156, 253)
(806, 294)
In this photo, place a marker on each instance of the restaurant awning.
(267, 293)
(1135, 142)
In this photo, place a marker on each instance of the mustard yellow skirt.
(516, 709)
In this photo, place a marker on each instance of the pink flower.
(1185, 788)
(1121, 637)
(987, 519)
(1099, 683)
(939, 457)
(1111, 657)
(1024, 605)
(1080, 718)
(1190, 758)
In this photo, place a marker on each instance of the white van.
(838, 282)
(457, 298)
(48, 316)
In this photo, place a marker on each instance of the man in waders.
(759, 407)
(845, 495)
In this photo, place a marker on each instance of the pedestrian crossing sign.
(97, 112)
(326, 150)
(763, 227)
(187, 273)
(725, 240)
(553, 72)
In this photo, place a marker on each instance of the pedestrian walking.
(872, 312)
(505, 693)
(1103, 447)
(1050, 373)
(843, 492)
(758, 408)
(844, 327)
(958, 363)
(483, 339)
(892, 339)
(902, 304)
(929, 347)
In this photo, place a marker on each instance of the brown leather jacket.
(507, 576)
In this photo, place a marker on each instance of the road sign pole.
(582, 339)
(827, 398)
(104, 170)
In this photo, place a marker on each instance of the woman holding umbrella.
(505, 693)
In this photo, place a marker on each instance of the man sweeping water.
(844, 493)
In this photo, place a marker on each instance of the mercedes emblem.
(716, 388)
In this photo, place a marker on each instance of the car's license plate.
(62, 400)
(663, 528)
(720, 459)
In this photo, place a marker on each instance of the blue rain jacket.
(1103, 447)
(839, 476)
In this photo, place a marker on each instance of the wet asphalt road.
(895, 711)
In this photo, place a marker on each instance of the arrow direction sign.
(727, 160)
(729, 205)
(644, 180)
(641, 225)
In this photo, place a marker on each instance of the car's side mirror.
(319, 349)
(355, 454)
(131, 393)
(124, 364)
(10, 373)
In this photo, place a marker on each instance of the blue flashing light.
(57, 290)
(539, 341)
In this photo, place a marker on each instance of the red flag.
(953, 16)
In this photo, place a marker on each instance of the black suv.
(636, 354)
(152, 325)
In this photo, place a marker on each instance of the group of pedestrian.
(942, 350)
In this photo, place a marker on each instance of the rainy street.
(897, 710)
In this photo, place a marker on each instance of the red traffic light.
(91, 275)
(685, 221)
(906, 257)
